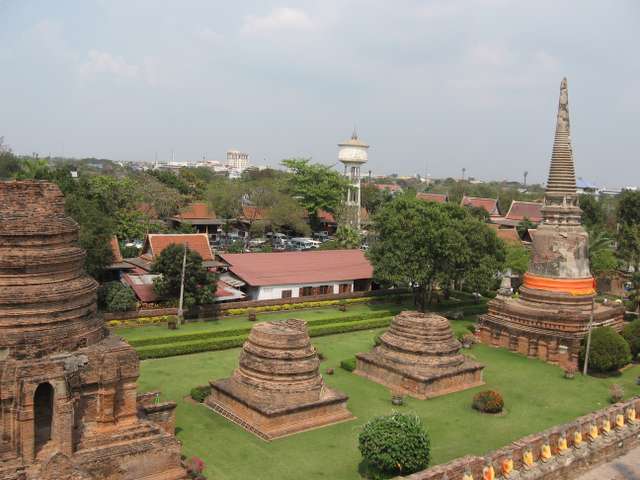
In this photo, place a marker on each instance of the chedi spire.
(561, 200)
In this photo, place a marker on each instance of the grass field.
(536, 397)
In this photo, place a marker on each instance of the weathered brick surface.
(419, 356)
(67, 388)
(277, 388)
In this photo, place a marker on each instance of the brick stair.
(219, 409)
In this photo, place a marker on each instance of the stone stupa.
(277, 389)
(418, 355)
(551, 316)
(69, 408)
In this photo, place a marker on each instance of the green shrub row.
(200, 393)
(197, 336)
(211, 344)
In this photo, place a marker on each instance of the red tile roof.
(157, 242)
(520, 210)
(432, 197)
(489, 204)
(509, 235)
(249, 212)
(288, 268)
(325, 216)
(195, 211)
(142, 286)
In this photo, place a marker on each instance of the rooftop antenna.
(354, 135)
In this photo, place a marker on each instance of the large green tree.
(592, 211)
(315, 186)
(628, 217)
(9, 163)
(199, 283)
(422, 244)
(602, 257)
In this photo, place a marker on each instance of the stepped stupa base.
(420, 385)
(419, 356)
(546, 325)
(272, 422)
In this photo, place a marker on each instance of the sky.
(433, 86)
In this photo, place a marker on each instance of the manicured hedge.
(198, 336)
(211, 344)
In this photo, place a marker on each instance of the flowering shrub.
(195, 467)
(488, 401)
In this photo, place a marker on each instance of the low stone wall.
(562, 452)
(151, 312)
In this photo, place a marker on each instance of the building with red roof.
(519, 211)
(488, 204)
(432, 197)
(298, 274)
(201, 217)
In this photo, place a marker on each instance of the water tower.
(353, 154)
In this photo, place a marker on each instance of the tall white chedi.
(353, 154)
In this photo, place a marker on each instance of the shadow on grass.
(368, 472)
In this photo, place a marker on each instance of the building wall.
(275, 291)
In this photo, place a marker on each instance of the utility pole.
(586, 353)
(184, 265)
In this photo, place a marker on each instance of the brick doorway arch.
(43, 414)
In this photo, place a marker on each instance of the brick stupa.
(418, 355)
(551, 316)
(68, 403)
(277, 389)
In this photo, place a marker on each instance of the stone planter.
(397, 399)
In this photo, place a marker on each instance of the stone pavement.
(626, 467)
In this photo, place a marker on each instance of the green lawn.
(536, 397)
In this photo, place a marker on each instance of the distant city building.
(353, 154)
(237, 160)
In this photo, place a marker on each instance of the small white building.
(270, 276)
(353, 154)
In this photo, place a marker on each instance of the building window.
(306, 291)
(325, 289)
(345, 288)
(286, 294)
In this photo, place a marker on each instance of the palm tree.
(34, 168)
(347, 237)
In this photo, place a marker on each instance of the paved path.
(626, 467)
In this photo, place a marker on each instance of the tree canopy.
(199, 283)
(316, 186)
(423, 244)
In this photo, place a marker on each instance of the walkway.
(626, 467)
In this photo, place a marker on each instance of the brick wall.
(572, 462)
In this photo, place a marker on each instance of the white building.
(270, 276)
(353, 154)
(237, 160)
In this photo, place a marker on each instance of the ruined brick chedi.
(419, 356)
(277, 389)
(69, 408)
(551, 315)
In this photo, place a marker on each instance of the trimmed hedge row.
(188, 337)
(183, 348)
(299, 306)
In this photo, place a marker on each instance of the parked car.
(303, 243)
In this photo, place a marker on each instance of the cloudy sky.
(431, 85)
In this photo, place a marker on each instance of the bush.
(616, 393)
(200, 393)
(117, 297)
(349, 364)
(488, 401)
(631, 333)
(609, 351)
(395, 444)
